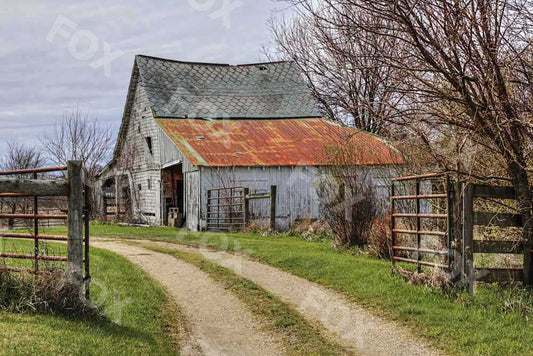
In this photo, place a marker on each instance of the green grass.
(299, 337)
(137, 308)
(466, 325)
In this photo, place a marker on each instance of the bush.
(47, 293)
(349, 205)
(380, 237)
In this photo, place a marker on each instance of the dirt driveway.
(348, 324)
(222, 325)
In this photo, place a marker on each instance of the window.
(149, 184)
(149, 143)
(139, 186)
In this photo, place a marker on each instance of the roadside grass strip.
(139, 317)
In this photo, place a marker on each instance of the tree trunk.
(11, 221)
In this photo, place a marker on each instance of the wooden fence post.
(456, 241)
(246, 207)
(117, 197)
(418, 227)
(468, 236)
(273, 193)
(393, 227)
(75, 222)
(528, 264)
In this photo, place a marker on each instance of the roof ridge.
(262, 63)
(183, 62)
(213, 64)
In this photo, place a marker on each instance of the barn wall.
(192, 200)
(296, 189)
(296, 195)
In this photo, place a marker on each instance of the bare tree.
(127, 194)
(19, 156)
(341, 65)
(467, 66)
(78, 137)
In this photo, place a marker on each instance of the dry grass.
(45, 293)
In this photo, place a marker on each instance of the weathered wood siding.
(137, 163)
(297, 198)
(192, 200)
(169, 153)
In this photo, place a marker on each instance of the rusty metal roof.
(280, 142)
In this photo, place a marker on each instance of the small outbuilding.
(197, 140)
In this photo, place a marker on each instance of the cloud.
(41, 79)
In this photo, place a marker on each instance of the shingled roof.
(219, 91)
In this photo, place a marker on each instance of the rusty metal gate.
(229, 208)
(421, 220)
(459, 212)
(25, 184)
(226, 208)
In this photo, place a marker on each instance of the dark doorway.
(180, 195)
(173, 191)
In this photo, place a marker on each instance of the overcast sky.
(59, 55)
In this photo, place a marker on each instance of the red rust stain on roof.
(278, 142)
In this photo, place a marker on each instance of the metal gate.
(17, 186)
(421, 220)
(226, 208)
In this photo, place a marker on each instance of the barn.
(197, 138)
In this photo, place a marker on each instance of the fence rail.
(229, 208)
(76, 190)
(462, 218)
(33, 171)
(399, 250)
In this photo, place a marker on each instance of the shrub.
(380, 237)
(349, 205)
